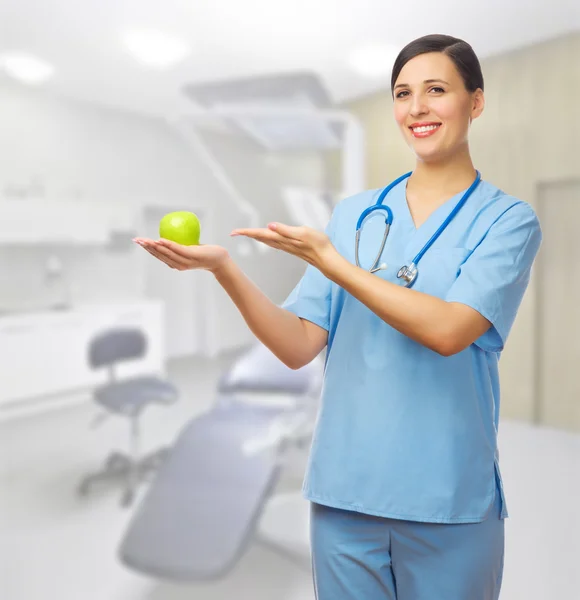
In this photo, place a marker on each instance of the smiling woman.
(437, 94)
(404, 478)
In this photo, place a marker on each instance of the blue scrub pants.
(356, 556)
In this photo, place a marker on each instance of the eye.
(437, 89)
(401, 94)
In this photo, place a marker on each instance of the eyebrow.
(426, 81)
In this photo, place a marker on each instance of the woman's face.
(433, 108)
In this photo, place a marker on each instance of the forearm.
(426, 319)
(278, 329)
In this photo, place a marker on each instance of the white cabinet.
(65, 222)
(43, 355)
(19, 349)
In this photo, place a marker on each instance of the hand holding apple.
(179, 246)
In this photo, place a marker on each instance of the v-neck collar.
(445, 208)
(419, 236)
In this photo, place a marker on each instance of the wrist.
(223, 268)
(331, 263)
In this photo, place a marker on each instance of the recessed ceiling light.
(156, 49)
(26, 68)
(374, 61)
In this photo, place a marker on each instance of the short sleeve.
(310, 298)
(494, 278)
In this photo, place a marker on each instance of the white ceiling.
(233, 38)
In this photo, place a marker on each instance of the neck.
(449, 175)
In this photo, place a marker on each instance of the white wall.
(64, 149)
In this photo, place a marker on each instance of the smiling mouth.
(424, 130)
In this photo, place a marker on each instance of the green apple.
(181, 227)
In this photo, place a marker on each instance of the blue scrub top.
(402, 431)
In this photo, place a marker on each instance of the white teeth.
(424, 129)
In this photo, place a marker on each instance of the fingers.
(184, 252)
(288, 231)
(178, 249)
(156, 254)
(169, 244)
(171, 255)
(276, 242)
(264, 235)
(162, 253)
(258, 234)
(254, 233)
(272, 232)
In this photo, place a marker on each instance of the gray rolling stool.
(127, 398)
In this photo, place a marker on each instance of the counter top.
(31, 316)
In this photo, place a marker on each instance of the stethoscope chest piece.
(408, 274)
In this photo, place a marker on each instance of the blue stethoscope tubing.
(407, 273)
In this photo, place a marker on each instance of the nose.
(418, 106)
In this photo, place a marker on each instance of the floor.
(54, 544)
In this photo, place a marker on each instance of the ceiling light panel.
(26, 68)
(156, 49)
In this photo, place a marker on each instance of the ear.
(478, 104)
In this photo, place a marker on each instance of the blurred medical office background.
(150, 449)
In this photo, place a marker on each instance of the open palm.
(184, 258)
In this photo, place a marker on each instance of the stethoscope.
(407, 273)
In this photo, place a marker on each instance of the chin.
(429, 156)
(430, 151)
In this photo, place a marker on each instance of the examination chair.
(206, 501)
(127, 397)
